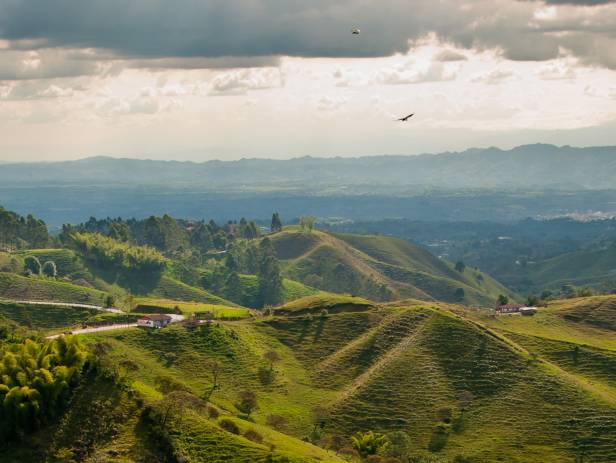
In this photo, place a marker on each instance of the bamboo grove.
(36, 379)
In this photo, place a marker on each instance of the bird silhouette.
(406, 118)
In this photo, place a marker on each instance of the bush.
(49, 269)
(266, 376)
(229, 425)
(247, 402)
(277, 422)
(212, 412)
(254, 436)
(33, 265)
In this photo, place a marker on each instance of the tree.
(270, 281)
(231, 262)
(532, 301)
(109, 300)
(32, 264)
(459, 294)
(233, 288)
(247, 402)
(369, 443)
(460, 266)
(502, 300)
(272, 357)
(276, 223)
(49, 269)
(175, 403)
(400, 445)
(306, 223)
(214, 369)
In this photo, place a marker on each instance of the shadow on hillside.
(138, 283)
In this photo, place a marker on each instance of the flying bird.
(356, 31)
(406, 118)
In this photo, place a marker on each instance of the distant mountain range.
(527, 166)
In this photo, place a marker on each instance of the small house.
(154, 320)
(509, 308)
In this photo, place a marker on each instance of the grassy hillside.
(331, 303)
(67, 262)
(400, 369)
(378, 267)
(40, 317)
(460, 383)
(146, 304)
(580, 268)
(16, 287)
(170, 288)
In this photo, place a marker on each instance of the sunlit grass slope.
(13, 286)
(379, 267)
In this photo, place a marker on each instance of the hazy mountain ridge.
(537, 165)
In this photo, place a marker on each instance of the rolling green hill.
(580, 268)
(16, 287)
(378, 267)
(67, 262)
(460, 383)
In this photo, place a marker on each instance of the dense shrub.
(32, 265)
(229, 425)
(254, 436)
(49, 269)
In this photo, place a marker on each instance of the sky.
(227, 79)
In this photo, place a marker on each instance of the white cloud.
(329, 103)
(557, 71)
(450, 55)
(413, 74)
(241, 81)
(493, 77)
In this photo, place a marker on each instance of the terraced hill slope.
(461, 384)
(380, 268)
(16, 287)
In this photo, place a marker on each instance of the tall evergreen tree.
(276, 223)
(233, 288)
(270, 281)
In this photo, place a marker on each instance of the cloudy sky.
(225, 79)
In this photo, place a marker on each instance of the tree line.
(108, 252)
(18, 232)
(167, 234)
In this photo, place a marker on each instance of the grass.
(386, 368)
(324, 301)
(170, 288)
(580, 268)
(41, 317)
(379, 268)
(554, 323)
(66, 260)
(291, 290)
(188, 308)
(16, 287)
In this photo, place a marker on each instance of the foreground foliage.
(35, 382)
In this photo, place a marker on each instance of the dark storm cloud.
(205, 33)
